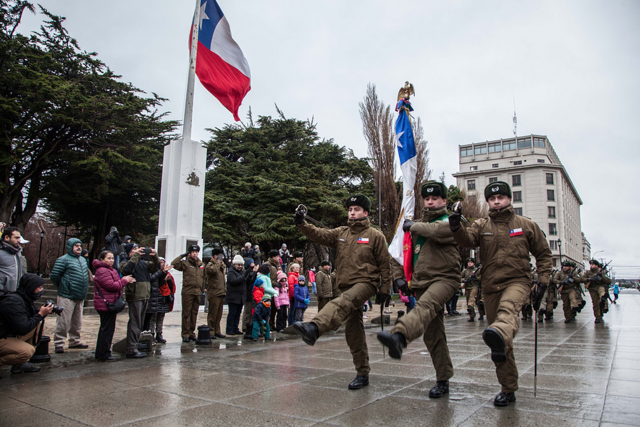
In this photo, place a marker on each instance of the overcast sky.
(572, 67)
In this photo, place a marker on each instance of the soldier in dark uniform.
(471, 285)
(598, 286)
(361, 259)
(567, 281)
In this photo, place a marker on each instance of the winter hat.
(216, 251)
(434, 188)
(498, 187)
(238, 260)
(298, 254)
(273, 252)
(281, 276)
(359, 200)
(325, 262)
(301, 279)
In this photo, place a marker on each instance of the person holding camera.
(109, 287)
(21, 323)
(143, 263)
(192, 286)
(70, 274)
(112, 242)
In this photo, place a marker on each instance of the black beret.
(273, 252)
(359, 200)
(298, 254)
(325, 262)
(498, 187)
(433, 188)
(216, 251)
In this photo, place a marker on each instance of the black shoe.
(440, 389)
(247, 336)
(137, 355)
(106, 359)
(59, 349)
(541, 311)
(598, 321)
(469, 310)
(24, 367)
(395, 342)
(221, 336)
(495, 342)
(79, 346)
(481, 318)
(568, 320)
(471, 319)
(359, 382)
(185, 339)
(457, 313)
(160, 339)
(309, 333)
(503, 399)
(192, 338)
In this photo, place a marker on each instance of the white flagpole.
(188, 108)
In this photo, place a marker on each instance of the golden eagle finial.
(406, 91)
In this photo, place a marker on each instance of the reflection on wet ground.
(588, 375)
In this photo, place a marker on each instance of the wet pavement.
(588, 375)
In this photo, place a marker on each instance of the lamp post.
(560, 250)
(40, 250)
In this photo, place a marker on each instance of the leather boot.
(24, 367)
(309, 333)
(359, 382)
(395, 342)
(440, 389)
(495, 342)
(503, 399)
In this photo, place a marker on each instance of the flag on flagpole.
(220, 64)
(401, 246)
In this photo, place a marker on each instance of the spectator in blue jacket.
(70, 275)
(301, 295)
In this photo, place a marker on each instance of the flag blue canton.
(404, 133)
(210, 15)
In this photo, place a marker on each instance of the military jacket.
(603, 282)
(323, 284)
(472, 280)
(561, 275)
(505, 240)
(215, 273)
(192, 275)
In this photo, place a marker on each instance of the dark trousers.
(281, 321)
(274, 312)
(233, 318)
(452, 305)
(105, 334)
(137, 310)
(292, 311)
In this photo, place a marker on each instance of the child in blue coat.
(301, 295)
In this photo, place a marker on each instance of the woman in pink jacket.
(108, 281)
(282, 301)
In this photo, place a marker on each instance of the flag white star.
(203, 15)
(398, 135)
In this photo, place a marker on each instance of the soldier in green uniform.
(567, 280)
(505, 240)
(435, 279)
(598, 286)
(361, 260)
(323, 284)
(471, 285)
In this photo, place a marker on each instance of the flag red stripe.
(407, 252)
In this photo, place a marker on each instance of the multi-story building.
(541, 187)
(586, 249)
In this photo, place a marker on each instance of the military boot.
(503, 399)
(440, 389)
(495, 342)
(395, 342)
(24, 367)
(359, 382)
(309, 333)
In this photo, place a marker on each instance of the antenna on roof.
(515, 119)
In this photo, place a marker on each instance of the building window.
(480, 149)
(538, 142)
(495, 147)
(466, 151)
(517, 162)
(493, 179)
(516, 181)
(517, 211)
(553, 231)
(553, 244)
(524, 143)
(473, 168)
(540, 160)
(517, 196)
(550, 178)
(509, 145)
(552, 211)
(551, 195)
(471, 184)
(495, 165)
(555, 262)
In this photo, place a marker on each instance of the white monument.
(183, 175)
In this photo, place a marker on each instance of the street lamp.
(560, 250)
(40, 250)
(593, 256)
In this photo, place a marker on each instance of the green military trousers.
(597, 292)
(347, 308)
(570, 301)
(472, 294)
(427, 320)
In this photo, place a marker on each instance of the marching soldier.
(479, 298)
(505, 241)
(598, 286)
(361, 259)
(435, 279)
(567, 281)
(471, 285)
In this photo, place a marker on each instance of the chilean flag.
(220, 64)
(401, 246)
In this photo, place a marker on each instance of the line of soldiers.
(363, 267)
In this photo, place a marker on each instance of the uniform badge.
(364, 240)
(494, 189)
(515, 232)
(417, 249)
(430, 190)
